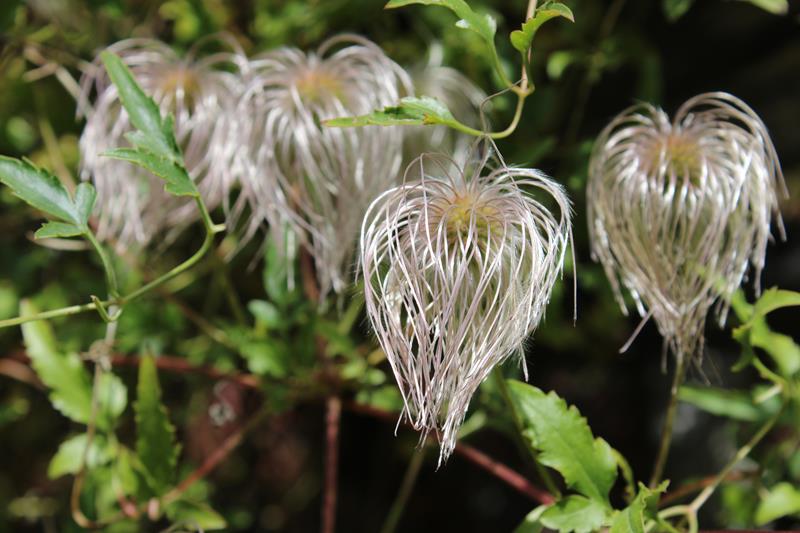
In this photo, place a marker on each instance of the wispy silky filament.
(458, 267)
(316, 178)
(201, 92)
(679, 209)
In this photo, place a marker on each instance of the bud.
(458, 268)
(679, 209)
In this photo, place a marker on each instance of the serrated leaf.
(412, 111)
(178, 181)
(39, 189)
(69, 456)
(54, 230)
(565, 441)
(576, 513)
(64, 374)
(532, 522)
(644, 506)
(782, 500)
(85, 198)
(737, 405)
(522, 39)
(482, 24)
(675, 9)
(142, 110)
(155, 147)
(195, 516)
(155, 434)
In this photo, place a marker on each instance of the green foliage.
(675, 9)
(482, 24)
(644, 507)
(576, 513)
(776, 7)
(195, 516)
(69, 457)
(737, 405)
(565, 442)
(154, 144)
(43, 191)
(782, 500)
(155, 435)
(522, 39)
(412, 111)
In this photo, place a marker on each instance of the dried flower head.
(201, 92)
(320, 179)
(678, 209)
(458, 267)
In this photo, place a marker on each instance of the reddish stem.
(333, 415)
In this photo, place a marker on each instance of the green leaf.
(532, 522)
(756, 333)
(565, 441)
(142, 110)
(412, 111)
(576, 513)
(39, 188)
(85, 198)
(69, 456)
(522, 39)
(178, 181)
(774, 299)
(52, 230)
(776, 7)
(155, 438)
(782, 500)
(729, 403)
(675, 9)
(482, 24)
(64, 374)
(782, 348)
(154, 144)
(632, 518)
(194, 515)
(112, 398)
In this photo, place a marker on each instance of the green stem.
(525, 449)
(108, 267)
(406, 488)
(669, 421)
(682, 510)
(211, 230)
(521, 96)
(743, 452)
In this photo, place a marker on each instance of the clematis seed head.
(458, 267)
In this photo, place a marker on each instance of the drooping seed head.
(320, 179)
(201, 91)
(458, 268)
(679, 209)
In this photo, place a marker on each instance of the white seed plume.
(201, 91)
(320, 179)
(458, 267)
(678, 209)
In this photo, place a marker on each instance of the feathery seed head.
(320, 179)
(679, 209)
(458, 267)
(201, 92)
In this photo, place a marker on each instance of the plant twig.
(333, 415)
(512, 478)
(700, 484)
(406, 487)
(669, 420)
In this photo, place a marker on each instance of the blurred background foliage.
(617, 52)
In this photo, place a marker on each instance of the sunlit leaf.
(70, 454)
(729, 403)
(565, 442)
(40, 189)
(522, 39)
(777, 7)
(675, 9)
(482, 24)
(195, 516)
(53, 230)
(782, 500)
(576, 513)
(644, 506)
(412, 111)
